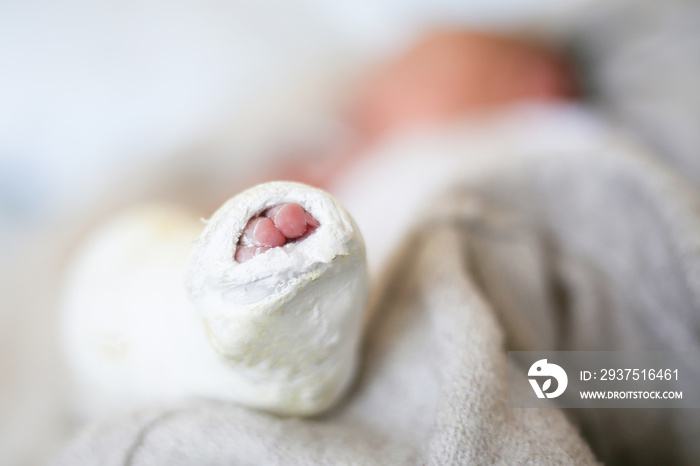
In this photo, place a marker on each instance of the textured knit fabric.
(597, 251)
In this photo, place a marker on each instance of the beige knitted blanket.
(597, 251)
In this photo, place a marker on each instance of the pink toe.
(261, 231)
(279, 225)
(245, 253)
(311, 221)
(290, 220)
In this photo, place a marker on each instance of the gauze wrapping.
(279, 332)
(288, 321)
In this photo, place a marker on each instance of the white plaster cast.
(279, 332)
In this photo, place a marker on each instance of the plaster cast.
(144, 324)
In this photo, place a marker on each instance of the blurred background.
(90, 92)
(106, 103)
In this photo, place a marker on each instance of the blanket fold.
(551, 253)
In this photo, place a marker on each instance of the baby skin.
(275, 227)
(444, 76)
